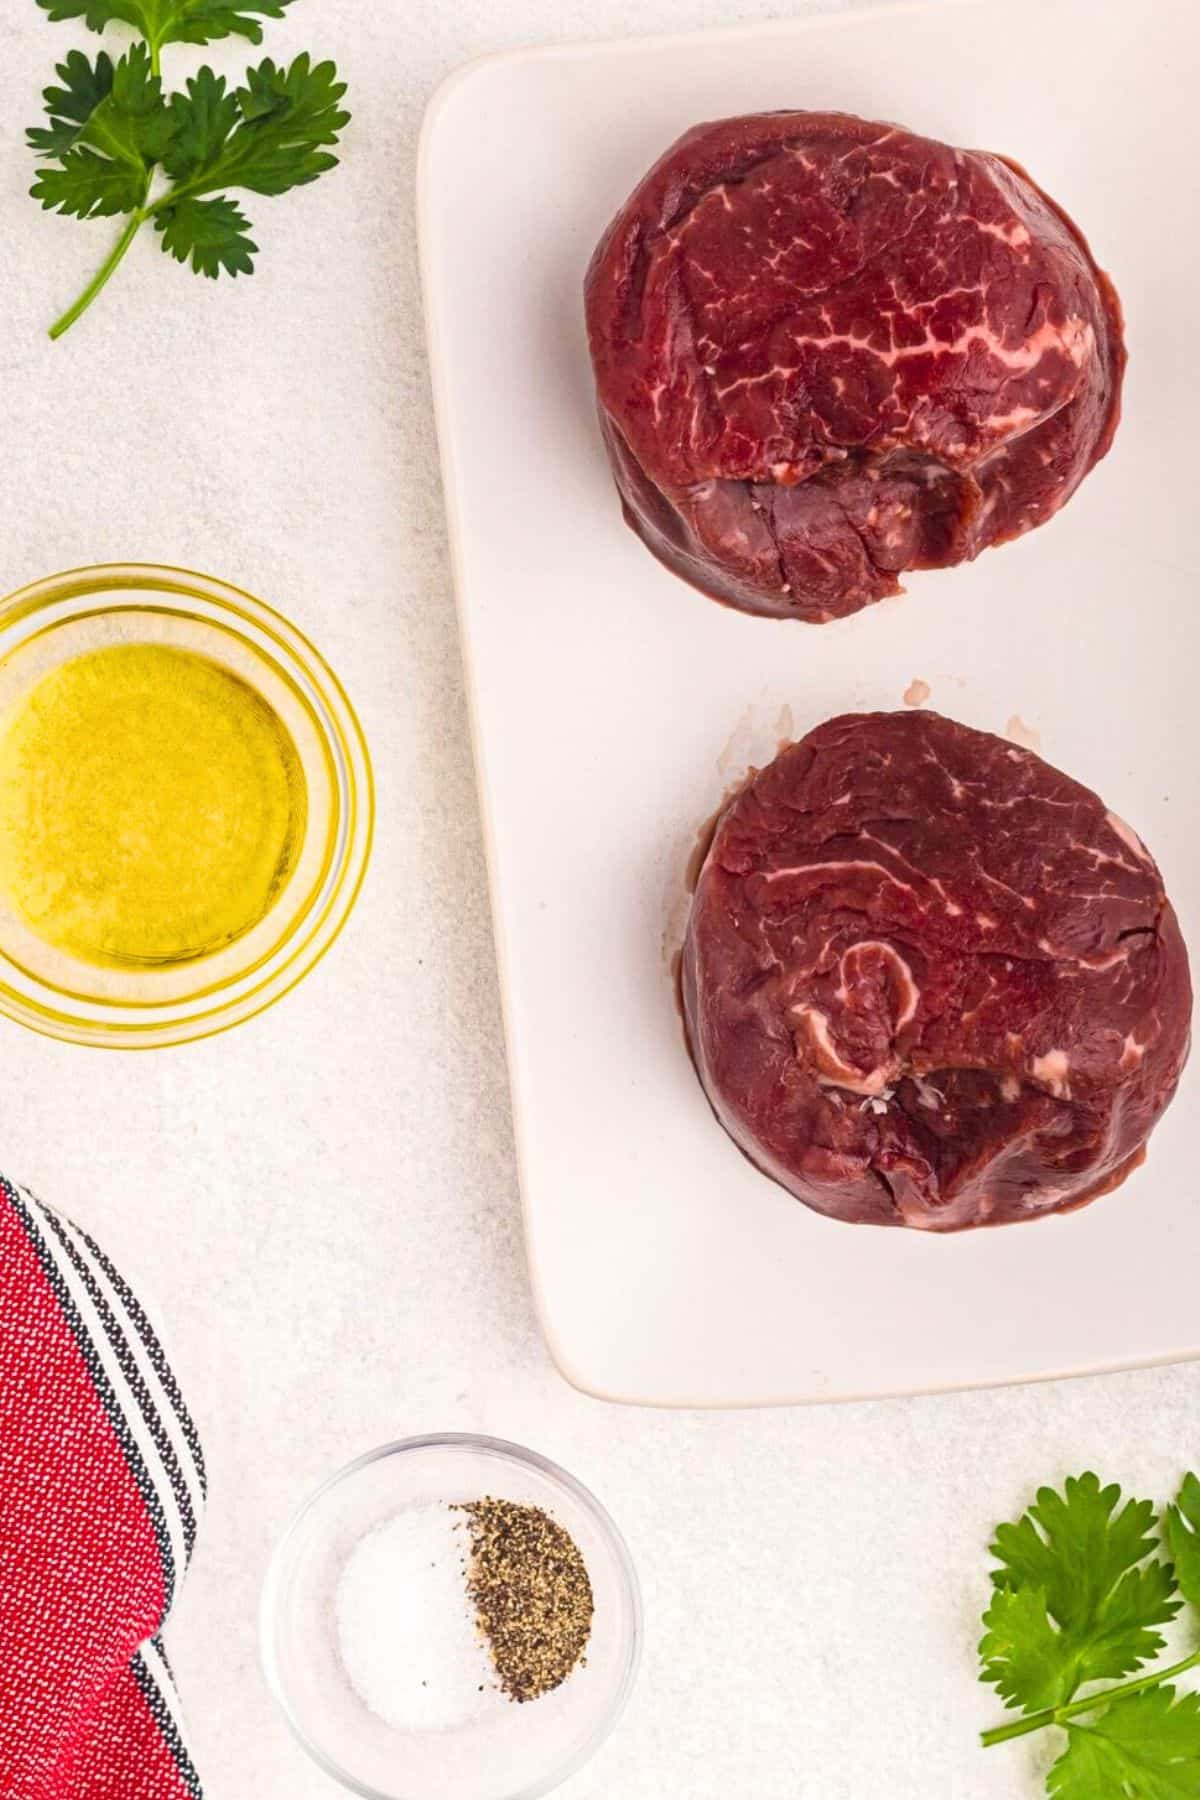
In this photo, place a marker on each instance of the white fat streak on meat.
(907, 1012)
(1110, 960)
(832, 1068)
(953, 909)
(1132, 1052)
(1014, 233)
(910, 992)
(1052, 1070)
(832, 1071)
(1128, 836)
(1012, 423)
(1005, 888)
(795, 870)
(1075, 341)
(985, 921)
(1074, 338)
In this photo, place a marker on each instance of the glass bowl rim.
(504, 1451)
(52, 1014)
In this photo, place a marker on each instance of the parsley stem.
(102, 275)
(1059, 1715)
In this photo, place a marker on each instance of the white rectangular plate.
(613, 706)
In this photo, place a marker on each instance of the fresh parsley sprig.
(1079, 1596)
(117, 144)
(172, 21)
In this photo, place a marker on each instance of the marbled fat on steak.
(928, 980)
(828, 351)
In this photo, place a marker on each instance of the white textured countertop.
(322, 1204)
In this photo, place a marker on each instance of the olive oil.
(152, 806)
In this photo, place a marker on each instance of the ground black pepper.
(531, 1592)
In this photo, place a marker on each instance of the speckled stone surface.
(322, 1204)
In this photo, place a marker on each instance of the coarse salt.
(406, 1629)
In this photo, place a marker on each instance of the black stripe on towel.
(158, 1361)
(164, 1718)
(176, 1488)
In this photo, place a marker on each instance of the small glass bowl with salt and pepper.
(451, 1616)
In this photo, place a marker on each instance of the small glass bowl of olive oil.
(186, 806)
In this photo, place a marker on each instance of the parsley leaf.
(268, 138)
(106, 168)
(1183, 1538)
(1142, 1747)
(1021, 1649)
(202, 121)
(84, 86)
(1082, 1601)
(214, 233)
(173, 21)
(88, 186)
(115, 143)
(132, 122)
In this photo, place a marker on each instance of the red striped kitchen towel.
(101, 1483)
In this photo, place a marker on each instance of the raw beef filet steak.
(828, 351)
(930, 981)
